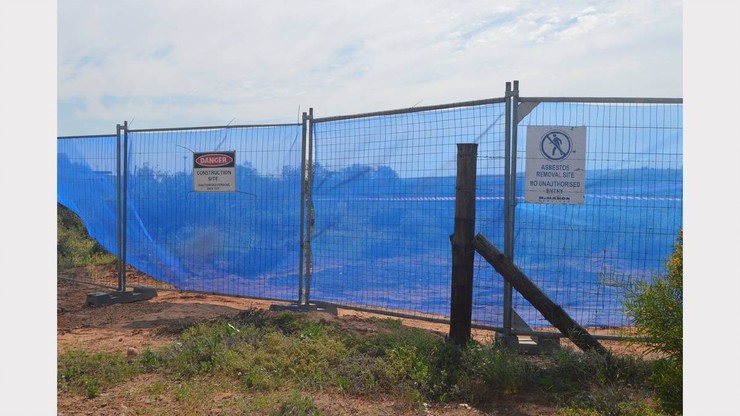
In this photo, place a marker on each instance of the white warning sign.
(214, 172)
(556, 165)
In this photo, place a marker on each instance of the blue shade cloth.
(86, 184)
(239, 243)
(383, 192)
(580, 255)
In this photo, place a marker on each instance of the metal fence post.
(119, 234)
(304, 185)
(511, 204)
(124, 206)
(508, 220)
(309, 207)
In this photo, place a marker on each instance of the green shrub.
(668, 381)
(491, 369)
(657, 310)
(149, 361)
(202, 349)
(569, 370)
(657, 307)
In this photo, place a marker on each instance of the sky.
(189, 63)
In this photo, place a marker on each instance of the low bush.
(491, 369)
(657, 310)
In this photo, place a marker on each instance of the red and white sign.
(214, 172)
(213, 160)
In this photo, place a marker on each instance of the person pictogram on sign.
(556, 142)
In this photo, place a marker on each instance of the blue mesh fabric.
(86, 184)
(240, 243)
(383, 193)
(580, 255)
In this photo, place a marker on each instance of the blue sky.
(189, 63)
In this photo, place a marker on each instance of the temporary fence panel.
(384, 196)
(381, 190)
(86, 184)
(584, 255)
(242, 241)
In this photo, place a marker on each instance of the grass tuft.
(297, 405)
(81, 372)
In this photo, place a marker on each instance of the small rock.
(132, 352)
(120, 339)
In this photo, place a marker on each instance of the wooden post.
(549, 309)
(463, 253)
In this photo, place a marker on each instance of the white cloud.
(190, 63)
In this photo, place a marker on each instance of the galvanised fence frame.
(384, 193)
(100, 193)
(627, 226)
(367, 201)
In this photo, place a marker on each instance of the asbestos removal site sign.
(556, 165)
(214, 172)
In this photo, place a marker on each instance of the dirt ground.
(122, 328)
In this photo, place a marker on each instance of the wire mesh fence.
(384, 195)
(236, 243)
(376, 193)
(87, 185)
(584, 256)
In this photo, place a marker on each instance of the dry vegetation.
(183, 353)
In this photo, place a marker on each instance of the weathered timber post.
(463, 253)
(549, 309)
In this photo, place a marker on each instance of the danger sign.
(214, 171)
